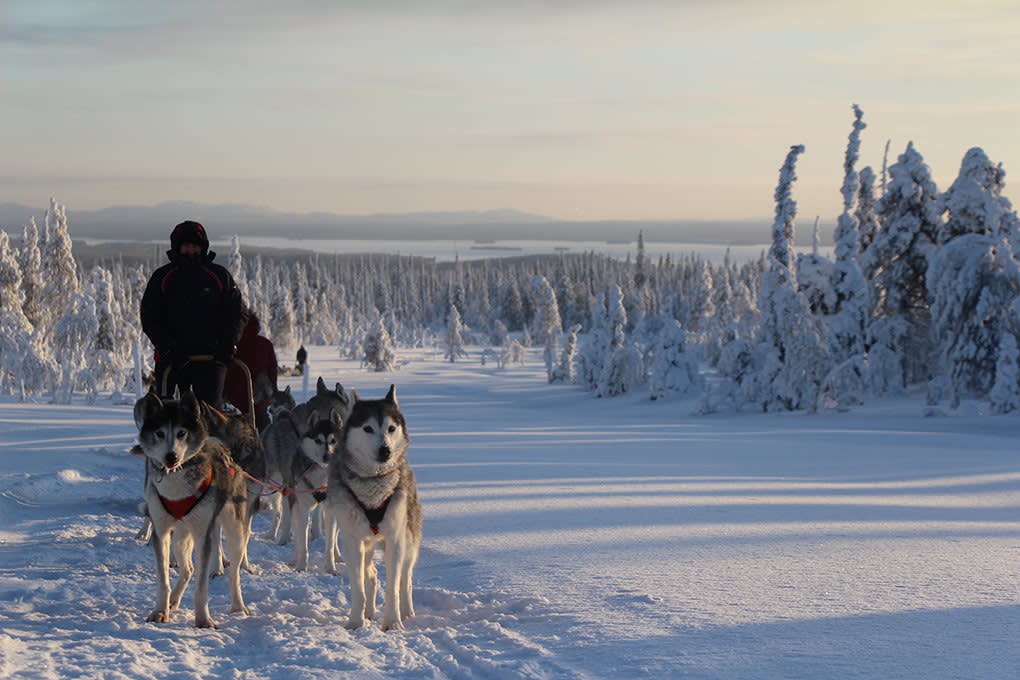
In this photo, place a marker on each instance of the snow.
(565, 536)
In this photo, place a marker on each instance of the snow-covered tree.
(672, 369)
(15, 328)
(59, 270)
(899, 334)
(814, 278)
(790, 355)
(379, 354)
(564, 373)
(30, 260)
(1005, 392)
(622, 366)
(282, 322)
(235, 265)
(73, 342)
(973, 278)
(846, 323)
(454, 336)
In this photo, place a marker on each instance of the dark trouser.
(205, 378)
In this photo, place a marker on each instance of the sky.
(578, 110)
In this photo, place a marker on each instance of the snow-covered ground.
(565, 537)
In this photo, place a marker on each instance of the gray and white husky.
(191, 482)
(305, 473)
(283, 437)
(374, 499)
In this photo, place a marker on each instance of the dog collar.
(180, 507)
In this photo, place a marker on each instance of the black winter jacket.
(191, 308)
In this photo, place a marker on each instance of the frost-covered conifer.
(282, 321)
(672, 370)
(454, 336)
(640, 262)
(1005, 393)
(547, 312)
(378, 349)
(73, 342)
(30, 260)
(790, 354)
(814, 278)
(867, 214)
(15, 328)
(846, 324)
(235, 265)
(593, 352)
(899, 334)
(622, 365)
(107, 359)
(973, 278)
(564, 373)
(59, 270)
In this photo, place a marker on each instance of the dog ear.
(391, 396)
(313, 418)
(287, 390)
(320, 386)
(145, 407)
(339, 390)
(354, 396)
(191, 405)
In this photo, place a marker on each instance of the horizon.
(605, 111)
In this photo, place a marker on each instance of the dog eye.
(368, 429)
(393, 428)
(181, 434)
(159, 434)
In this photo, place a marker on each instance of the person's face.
(191, 250)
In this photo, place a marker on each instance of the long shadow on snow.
(971, 642)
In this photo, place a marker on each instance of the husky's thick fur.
(191, 484)
(374, 499)
(305, 473)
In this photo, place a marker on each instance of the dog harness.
(180, 507)
(374, 516)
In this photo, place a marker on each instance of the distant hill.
(146, 223)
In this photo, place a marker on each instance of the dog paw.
(158, 616)
(204, 622)
(354, 623)
(242, 610)
(248, 568)
(393, 626)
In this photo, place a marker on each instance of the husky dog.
(238, 433)
(304, 475)
(374, 499)
(191, 484)
(324, 401)
(282, 438)
(280, 400)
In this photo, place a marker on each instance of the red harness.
(179, 507)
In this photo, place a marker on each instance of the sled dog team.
(205, 471)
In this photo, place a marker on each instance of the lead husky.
(373, 496)
(191, 482)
